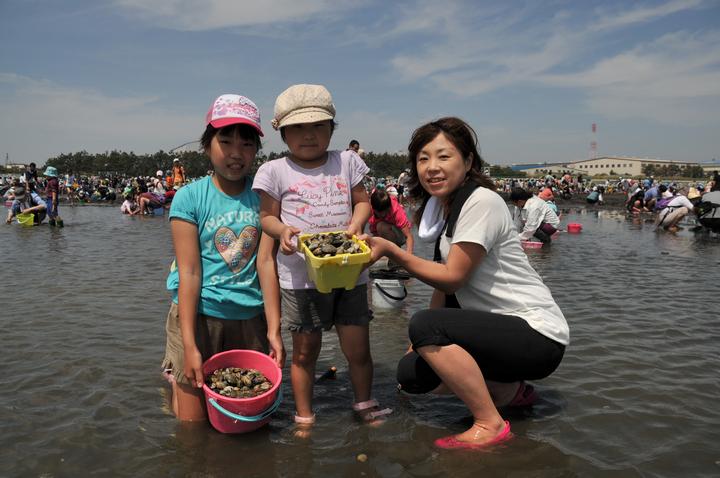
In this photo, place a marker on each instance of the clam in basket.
(336, 271)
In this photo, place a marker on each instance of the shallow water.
(83, 338)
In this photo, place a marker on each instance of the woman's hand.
(277, 349)
(193, 367)
(379, 247)
(288, 243)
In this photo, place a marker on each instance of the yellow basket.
(26, 219)
(342, 270)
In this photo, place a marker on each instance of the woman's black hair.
(243, 130)
(463, 137)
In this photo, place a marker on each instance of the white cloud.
(607, 20)
(39, 116)
(660, 80)
(674, 78)
(197, 15)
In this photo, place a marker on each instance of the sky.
(530, 77)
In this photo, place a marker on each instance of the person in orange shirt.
(178, 173)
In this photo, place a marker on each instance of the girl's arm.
(462, 260)
(271, 224)
(187, 255)
(267, 272)
(361, 209)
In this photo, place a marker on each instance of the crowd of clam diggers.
(670, 201)
(39, 193)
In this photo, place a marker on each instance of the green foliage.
(128, 164)
(386, 164)
(196, 163)
(505, 172)
(673, 171)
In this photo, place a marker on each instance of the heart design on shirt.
(236, 250)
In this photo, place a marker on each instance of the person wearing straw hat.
(26, 202)
(52, 196)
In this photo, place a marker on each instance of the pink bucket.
(531, 244)
(242, 415)
(574, 227)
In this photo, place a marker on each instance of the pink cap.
(233, 109)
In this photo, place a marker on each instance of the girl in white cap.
(223, 259)
(316, 190)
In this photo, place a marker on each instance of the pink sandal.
(452, 443)
(360, 407)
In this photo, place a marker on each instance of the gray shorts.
(212, 335)
(307, 310)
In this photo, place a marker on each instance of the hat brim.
(223, 122)
(305, 115)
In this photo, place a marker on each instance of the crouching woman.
(492, 323)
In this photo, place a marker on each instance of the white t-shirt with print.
(313, 200)
(505, 282)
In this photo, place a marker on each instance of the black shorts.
(505, 347)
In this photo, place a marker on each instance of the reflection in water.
(84, 311)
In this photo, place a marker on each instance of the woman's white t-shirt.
(504, 282)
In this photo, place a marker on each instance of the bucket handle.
(389, 295)
(269, 411)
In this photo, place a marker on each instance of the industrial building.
(613, 165)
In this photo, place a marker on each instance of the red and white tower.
(593, 143)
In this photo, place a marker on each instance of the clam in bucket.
(339, 271)
(242, 415)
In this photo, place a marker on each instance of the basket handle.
(389, 295)
(269, 411)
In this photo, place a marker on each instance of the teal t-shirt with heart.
(229, 234)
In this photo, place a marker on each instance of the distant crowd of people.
(40, 194)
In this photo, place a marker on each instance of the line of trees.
(674, 171)
(196, 163)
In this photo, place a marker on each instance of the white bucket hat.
(303, 104)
